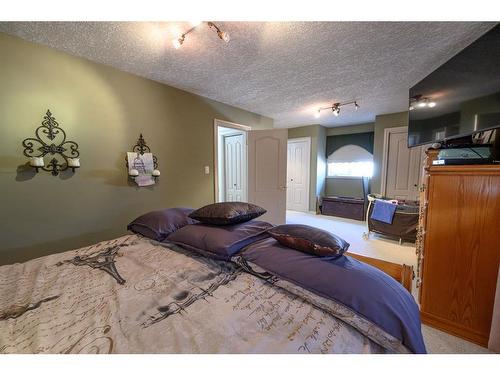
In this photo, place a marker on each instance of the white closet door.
(403, 167)
(234, 170)
(267, 159)
(298, 174)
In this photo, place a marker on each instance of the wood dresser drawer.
(461, 250)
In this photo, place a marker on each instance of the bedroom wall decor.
(114, 107)
(142, 164)
(51, 139)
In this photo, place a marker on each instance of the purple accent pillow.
(157, 225)
(220, 242)
(309, 240)
(226, 213)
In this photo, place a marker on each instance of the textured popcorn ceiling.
(284, 70)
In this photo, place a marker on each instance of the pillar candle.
(36, 162)
(73, 162)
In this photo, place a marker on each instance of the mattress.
(135, 295)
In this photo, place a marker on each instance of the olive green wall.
(103, 110)
(321, 164)
(351, 129)
(317, 133)
(382, 122)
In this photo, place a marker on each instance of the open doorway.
(231, 167)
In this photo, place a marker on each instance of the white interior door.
(402, 171)
(298, 162)
(267, 157)
(234, 168)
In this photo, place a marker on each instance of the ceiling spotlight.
(356, 106)
(420, 102)
(178, 42)
(224, 36)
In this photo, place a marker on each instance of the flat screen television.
(461, 97)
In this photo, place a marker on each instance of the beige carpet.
(383, 248)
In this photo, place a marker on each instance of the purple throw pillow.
(226, 213)
(309, 240)
(157, 225)
(220, 242)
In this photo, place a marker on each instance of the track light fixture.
(419, 101)
(177, 42)
(335, 107)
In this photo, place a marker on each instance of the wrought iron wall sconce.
(36, 148)
(141, 148)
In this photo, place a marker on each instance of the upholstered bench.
(349, 208)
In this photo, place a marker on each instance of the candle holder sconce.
(51, 139)
(141, 148)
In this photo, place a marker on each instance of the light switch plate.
(207, 169)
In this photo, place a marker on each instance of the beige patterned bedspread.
(133, 295)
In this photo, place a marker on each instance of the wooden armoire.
(458, 244)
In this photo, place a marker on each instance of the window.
(350, 161)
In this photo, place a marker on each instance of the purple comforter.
(359, 286)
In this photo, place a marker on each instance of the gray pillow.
(309, 240)
(226, 213)
(157, 225)
(220, 242)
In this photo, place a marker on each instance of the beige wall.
(103, 110)
(381, 123)
(317, 133)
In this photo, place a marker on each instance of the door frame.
(385, 157)
(224, 124)
(308, 153)
(243, 165)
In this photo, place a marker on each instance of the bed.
(137, 295)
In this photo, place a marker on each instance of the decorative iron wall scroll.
(51, 140)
